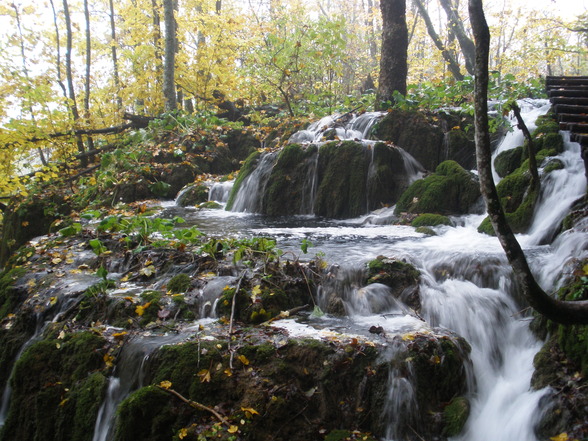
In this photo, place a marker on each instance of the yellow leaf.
(561, 437)
(183, 433)
(243, 360)
(233, 429)
(249, 411)
(53, 301)
(228, 372)
(165, 384)
(256, 290)
(62, 403)
(140, 310)
(585, 268)
(408, 337)
(204, 375)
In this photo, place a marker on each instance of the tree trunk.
(394, 53)
(452, 64)
(113, 43)
(169, 84)
(89, 139)
(558, 311)
(70, 84)
(26, 73)
(465, 43)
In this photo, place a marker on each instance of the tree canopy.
(75, 66)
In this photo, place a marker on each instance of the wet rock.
(430, 138)
(450, 190)
(401, 277)
(192, 194)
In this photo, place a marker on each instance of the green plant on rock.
(179, 283)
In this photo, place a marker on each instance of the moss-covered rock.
(342, 171)
(430, 220)
(53, 383)
(430, 138)
(179, 283)
(192, 195)
(401, 277)
(288, 190)
(508, 161)
(450, 190)
(455, 416)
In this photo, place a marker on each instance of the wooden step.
(571, 117)
(552, 82)
(573, 100)
(569, 108)
(575, 127)
(568, 92)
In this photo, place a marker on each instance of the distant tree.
(456, 26)
(169, 81)
(394, 54)
(565, 312)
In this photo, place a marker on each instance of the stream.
(466, 284)
(466, 287)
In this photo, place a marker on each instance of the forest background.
(75, 65)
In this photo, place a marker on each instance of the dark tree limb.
(452, 64)
(564, 312)
(531, 151)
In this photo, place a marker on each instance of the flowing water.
(466, 288)
(466, 285)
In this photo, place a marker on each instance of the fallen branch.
(287, 313)
(196, 405)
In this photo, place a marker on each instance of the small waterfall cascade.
(250, 194)
(127, 377)
(220, 191)
(348, 126)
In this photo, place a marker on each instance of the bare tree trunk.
(452, 65)
(89, 139)
(465, 43)
(26, 72)
(157, 42)
(119, 102)
(558, 311)
(70, 84)
(169, 83)
(394, 52)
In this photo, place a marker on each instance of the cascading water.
(249, 198)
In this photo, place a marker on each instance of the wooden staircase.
(569, 97)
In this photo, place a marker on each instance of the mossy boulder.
(508, 161)
(430, 138)
(316, 386)
(455, 416)
(192, 194)
(56, 391)
(29, 218)
(430, 220)
(450, 190)
(288, 190)
(342, 173)
(401, 277)
(518, 201)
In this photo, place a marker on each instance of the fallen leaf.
(204, 375)
(243, 360)
(233, 429)
(561, 437)
(165, 384)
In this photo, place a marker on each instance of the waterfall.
(127, 377)
(249, 197)
(220, 191)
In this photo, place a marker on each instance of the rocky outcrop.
(430, 138)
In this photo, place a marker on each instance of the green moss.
(145, 415)
(426, 230)
(430, 220)
(342, 177)
(48, 372)
(486, 227)
(508, 161)
(286, 191)
(455, 416)
(552, 165)
(246, 170)
(9, 299)
(179, 283)
(209, 205)
(450, 190)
